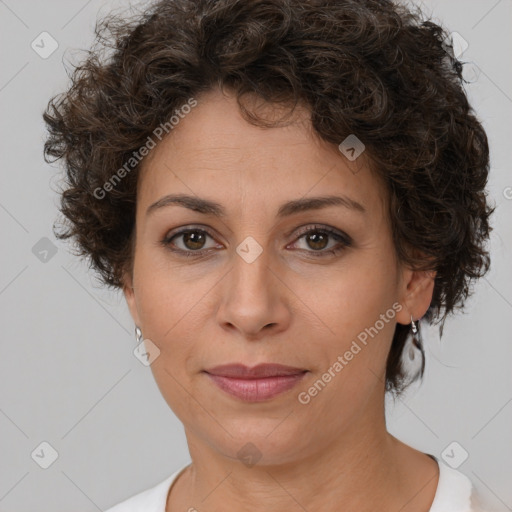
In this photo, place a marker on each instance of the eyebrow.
(208, 207)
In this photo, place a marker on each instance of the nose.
(255, 301)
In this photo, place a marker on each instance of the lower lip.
(256, 390)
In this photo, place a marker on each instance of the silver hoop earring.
(138, 334)
(413, 326)
(413, 355)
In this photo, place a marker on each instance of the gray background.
(68, 376)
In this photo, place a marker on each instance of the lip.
(257, 384)
(262, 370)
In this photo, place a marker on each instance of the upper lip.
(257, 372)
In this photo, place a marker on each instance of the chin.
(261, 440)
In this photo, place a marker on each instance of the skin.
(287, 307)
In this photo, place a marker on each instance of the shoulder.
(150, 500)
(455, 492)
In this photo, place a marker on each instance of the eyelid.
(189, 227)
(341, 236)
(329, 230)
(301, 230)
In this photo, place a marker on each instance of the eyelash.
(340, 237)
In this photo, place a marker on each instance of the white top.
(454, 493)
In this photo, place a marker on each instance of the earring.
(413, 355)
(415, 345)
(138, 334)
(413, 326)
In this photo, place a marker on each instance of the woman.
(282, 190)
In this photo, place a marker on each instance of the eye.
(192, 240)
(317, 239)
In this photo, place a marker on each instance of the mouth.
(257, 384)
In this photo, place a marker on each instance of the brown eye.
(193, 240)
(317, 240)
(190, 242)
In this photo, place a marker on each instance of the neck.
(363, 467)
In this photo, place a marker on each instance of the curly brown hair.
(366, 67)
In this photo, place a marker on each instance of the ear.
(129, 294)
(416, 289)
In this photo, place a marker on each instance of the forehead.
(213, 152)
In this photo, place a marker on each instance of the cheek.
(352, 298)
(167, 311)
(166, 292)
(174, 310)
(358, 319)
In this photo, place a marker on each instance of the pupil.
(314, 239)
(195, 240)
(192, 238)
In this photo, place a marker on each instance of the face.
(316, 289)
